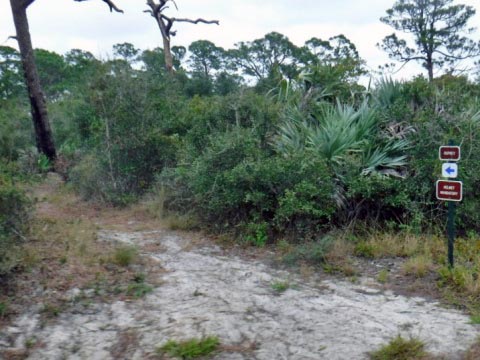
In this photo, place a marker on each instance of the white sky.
(60, 25)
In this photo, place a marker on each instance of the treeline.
(204, 68)
(267, 140)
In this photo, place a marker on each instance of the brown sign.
(449, 153)
(449, 190)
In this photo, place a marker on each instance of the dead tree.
(38, 104)
(165, 24)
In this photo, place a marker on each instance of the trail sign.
(449, 153)
(448, 190)
(449, 170)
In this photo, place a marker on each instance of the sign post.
(451, 191)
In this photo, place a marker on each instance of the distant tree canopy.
(439, 30)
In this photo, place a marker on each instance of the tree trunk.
(429, 66)
(43, 133)
(168, 55)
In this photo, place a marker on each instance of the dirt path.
(204, 292)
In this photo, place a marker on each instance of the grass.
(314, 252)
(474, 352)
(63, 252)
(425, 255)
(400, 349)
(418, 265)
(181, 222)
(475, 319)
(379, 244)
(383, 276)
(280, 286)
(3, 309)
(190, 349)
(51, 310)
(124, 255)
(138, 290)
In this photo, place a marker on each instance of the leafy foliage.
(14, 217)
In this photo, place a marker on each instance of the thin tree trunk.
(43, 133)
(430, 67)
(168, 55)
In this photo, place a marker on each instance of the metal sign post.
(451, 232)
(451, 191)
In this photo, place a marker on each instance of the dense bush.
(117, 136)
(14, 215)
(315, 152)
(234, 183)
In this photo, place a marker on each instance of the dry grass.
(379, 245)
(474, 352)
(181, 222)
(418, 266)
(338, 257)
(64, 253)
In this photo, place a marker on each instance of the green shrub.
(257, 234)
(14, 217)
(234, 183)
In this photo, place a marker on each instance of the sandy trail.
(207, 293)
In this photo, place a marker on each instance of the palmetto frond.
(388, 159)
(338, 132)
(341, 130)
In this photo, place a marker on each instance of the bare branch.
(197, 21)
(110, 4)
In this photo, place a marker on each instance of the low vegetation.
(190, 349)
(63, 253)
(280, 286)
(400, 348)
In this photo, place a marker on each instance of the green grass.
(3, 309)
(51, 310)
(125, 255)
(475, 319)
(280, 286)
(400, 349)
(383, 276)
(190, 349)
(138, 290)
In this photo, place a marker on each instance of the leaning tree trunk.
(43, 133)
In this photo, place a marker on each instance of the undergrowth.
(190, 349)
(400, 349)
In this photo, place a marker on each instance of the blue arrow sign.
(449, 170)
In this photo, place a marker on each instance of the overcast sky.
(60, 25)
